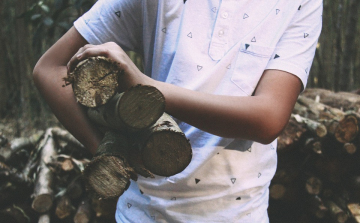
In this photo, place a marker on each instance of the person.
(230, 72)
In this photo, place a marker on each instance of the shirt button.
(225, 15)
(221, 32)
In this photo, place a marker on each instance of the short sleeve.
(117, 21)
(294, 53)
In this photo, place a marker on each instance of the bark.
(44, 218)
(43, 191)
(17, 214)
(26, 142)
(314, 127)
(341, 100)
(134, 110)
(337, 214)
(64, 208)
(318, 110)
(354, 209)
(316, 206)
(313, 185)
(83, 213)
(94, 81)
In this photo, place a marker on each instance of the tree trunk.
(350, 34)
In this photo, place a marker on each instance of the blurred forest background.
(30, 27)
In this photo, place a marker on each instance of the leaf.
(45, 8)
(35, 16)
(48, 21)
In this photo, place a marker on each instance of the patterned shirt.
(220, 47)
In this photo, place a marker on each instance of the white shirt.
(219, 47)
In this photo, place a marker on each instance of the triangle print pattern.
(118, 14)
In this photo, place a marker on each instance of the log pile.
(41, 181)
(318, 174)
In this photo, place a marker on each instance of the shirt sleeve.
(118, 21)
(295, 51)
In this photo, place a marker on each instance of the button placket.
(219, 38)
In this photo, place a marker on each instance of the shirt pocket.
(250, 64)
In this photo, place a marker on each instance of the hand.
(132, 75)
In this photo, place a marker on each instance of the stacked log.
(318, 174)
(42, 181)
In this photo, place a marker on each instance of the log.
(277, 191)
(342, 100)
(315, 127)
(354, 209)
(3, 139)
(316, 206)
(349, 148)
(64, 207)
(165, 149)
(318, 110)
(44, 218)
(134, 110)
(108, 174)
(94, 81)
(43, 190)
(24, 142)
(104, 208)
(337, 214)
(313, 185)
(13, 175)
(17, 214)
(66, 136)
(83, 213)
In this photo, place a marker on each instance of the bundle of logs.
(50, 177)
(318, 174)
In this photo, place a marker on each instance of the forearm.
(260, 117)
(61, 100)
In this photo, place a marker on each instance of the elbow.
(270, 130)
(38, 74)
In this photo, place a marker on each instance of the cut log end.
(107, 176)
(167, 153)
(42, 203)
(277, 191)
(347, 129)
(141, 106)
(94, 81)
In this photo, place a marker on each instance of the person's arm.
(260, 117)
(48, 74)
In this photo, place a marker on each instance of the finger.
(75, 59)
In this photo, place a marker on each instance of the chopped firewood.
(64, 208)
(165, 149)
(337, 214)
(313, 185)
(44, 218)
(316, 206)
(316, 128)
(43, 191)
(17, 214)
(354, 209)
(23, 142)
(108, 174)
(133, 110)
(83, 213)
(94, 81)
(66, 136)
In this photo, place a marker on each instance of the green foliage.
(50, 19)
